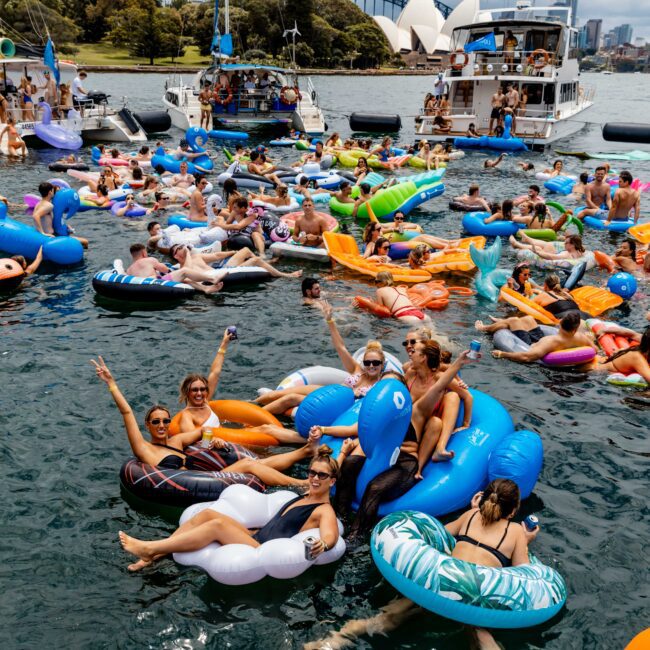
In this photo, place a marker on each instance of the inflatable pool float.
(491, 142)
(291, 248)
(349, 158)
(243, 178)
(11, 275)
(641, 232)
(595, 300)
(560, 185)
(100, 160)
(239, 413)
(184, 487)
(205, 240)
(290, 220)
(598, 223)
(344, 250)
(527, 306)
(196, 137)
(426, 295)
(505, 340)
(401, 197)
(420, 163)
(20, 239)
(135, 210)
(217, 134)
(55, 135)
(321, 197)
(283, 142)
(240, 564)
(401, 244)
(535, 260)
(118, 285)
(489, 448)
(642, 640)
(490, 278)
(278, 209)
(442, 262)
(64, 166)
(465, 206)
(412, 550)
(474, 224)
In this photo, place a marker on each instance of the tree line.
(333, 33)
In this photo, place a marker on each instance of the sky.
(634, 12)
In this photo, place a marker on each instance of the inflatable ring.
(184, 487)
(286, 95)
(461, 291)
(453, 59)
(240, 564)
(230, 410)
(527, 306)
(218, 96)
(11, 275)
(413, 552)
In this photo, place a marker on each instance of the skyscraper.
(594, 25)
(623, 33)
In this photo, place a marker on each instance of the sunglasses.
(409, 342)
(372, 362)
(384, 247)
(164, 198)
(202, 389)
(159, 420)
(399, 218)
(312, 473)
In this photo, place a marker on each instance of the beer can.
(531, 522)
(309, 543)
(474, 349)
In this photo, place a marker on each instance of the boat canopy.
(249, 66)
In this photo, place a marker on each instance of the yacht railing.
(489, 64)
(312, 92)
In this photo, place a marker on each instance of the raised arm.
(139, 445)
(428, 401)
(36, 263)
(347, 360)
(217, 365)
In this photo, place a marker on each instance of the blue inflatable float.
(19, 239)
(490, 279)
(216, 134)
(383, 417)
(560, 185)
(195, 137)
(474, 224)
(505, 143)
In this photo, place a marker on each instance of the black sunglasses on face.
(399, 218)
(371, 362)
(159, 420)
(312, 473)
(202, 389)
(409, 342)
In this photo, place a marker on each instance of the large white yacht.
(542, 66)
(246, 96)
(100, 122)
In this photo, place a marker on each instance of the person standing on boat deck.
(510, 43)
(79, 94)
(512, 102)
(50, 95)
(439, 87)
(497, 102)
(206, 107)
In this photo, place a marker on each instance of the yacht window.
(535, 93)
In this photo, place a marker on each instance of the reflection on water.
(64, 442)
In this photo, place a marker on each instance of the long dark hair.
(500, 499)
(643, 347)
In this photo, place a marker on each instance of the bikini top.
(505, 561)
(173, 461)
(286, 523)
(352, 380)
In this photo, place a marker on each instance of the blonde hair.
(385, 277)
(375, 346)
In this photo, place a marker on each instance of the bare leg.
(450, 408)
(286, 436)
(258, 240)
(482, 639)
(211, 288)
(538, 243)
(203, 529)
(434, 242)
(411, 320)
(514, 323)
(284, 403)
(267, 474)
(272, 395)
(256, 261)
(430, 437)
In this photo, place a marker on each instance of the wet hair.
(625, 176)
(229, 187)
(307, 285)
(144, 149)
(555, 162)
(155, 407)
(184, 390)
(375, 346)
(534, 187)
(344, 185)
(136, 248)
(115, 153)
(529, 167)
(643, 347)
(584, 177)
(254, 155)
(540, 210)
(371, 227)
(385, 277)
(365, 187)
(506, 209)
(240, 202)
(304, 181)
(151, 224)
(632, 244)
(576, 241)
(20, 260)
(183, 143)
(499, 499)
(516, 272)
(473, 189)
(102, 189)
(433, 353)
(601, 168)
(393, 375)
(137, 174)
(159, 169)
(45, 188)
(571, 321)
(324, 455)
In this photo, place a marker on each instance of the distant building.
(582, 38)
(623, 34)
(594, 27)
(639, 41)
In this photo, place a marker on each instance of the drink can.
(531, 522)
(206, 439)
(474, 349)
(232, 331)
(309, 542)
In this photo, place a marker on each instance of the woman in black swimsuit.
(302, 513)
(168, 453)
(556, 300)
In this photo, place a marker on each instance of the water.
(64, 574)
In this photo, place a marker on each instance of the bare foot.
(480, 326)
(313, 443)
(442, 456)
(214, 288)
(295, 274)
(513, 242)
(418, 476)
(137, 548)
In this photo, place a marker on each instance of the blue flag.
(486, 43)
(49, 58)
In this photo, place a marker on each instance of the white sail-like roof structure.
(422, 23)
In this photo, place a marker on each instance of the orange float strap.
(604, 261)
(527, 306)
(241, 413)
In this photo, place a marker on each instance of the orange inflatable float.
(344, 250)
(640, 642)
(595, 300)
(245, 414)
(11, 275)
(527, 306)
(641, 232)
(604, 261)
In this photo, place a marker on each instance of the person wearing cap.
(50, 95)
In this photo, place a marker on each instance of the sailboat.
(245, 95)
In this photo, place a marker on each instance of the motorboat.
(532, 49)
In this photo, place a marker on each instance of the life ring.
(461, 291)
(289, 95)
(219, 96)
(454, 58)
(535, 63)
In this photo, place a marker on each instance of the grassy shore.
(107, 54)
